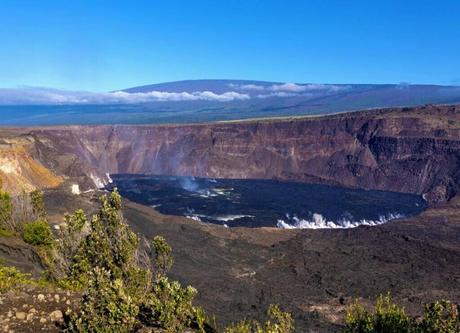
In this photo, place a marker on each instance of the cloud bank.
(43, 96)
(288, 89)
(237, 92)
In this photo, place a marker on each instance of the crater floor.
(266, 203)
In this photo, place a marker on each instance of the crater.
(267, 203)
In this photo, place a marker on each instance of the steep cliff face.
(409, 150)
(19, 170)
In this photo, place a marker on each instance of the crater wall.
(414, 150)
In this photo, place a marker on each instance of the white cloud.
(306, 90)
(43, 96)
(282, 87)
(326, 87)
(162, 96)
(288, 87)
(299, 88)
(252, 87)
(255, 87)
(34, 95)
(281, 94)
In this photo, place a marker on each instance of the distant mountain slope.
(196, 101)
(308, 94)
(216, 86)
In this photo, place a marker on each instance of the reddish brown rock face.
(409, 150)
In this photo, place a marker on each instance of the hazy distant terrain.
(208, 100)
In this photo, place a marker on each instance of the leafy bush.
(6, 233)
(24, 210)
(38, 204)
(103, 257)
(110, 244)
(6, 209)
(11, 278)
(441, 317)
(38, 233)
(386, 318)
(105, 307)
(169, 306)
(278, 322)
(357, 319)
(107, 243)
(68, 246)
(163, 255)
(17, 211)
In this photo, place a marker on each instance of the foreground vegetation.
(124, 284)
(388, 317)
(123, 277)
(11, 279)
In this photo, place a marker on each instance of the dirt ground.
(314, 274)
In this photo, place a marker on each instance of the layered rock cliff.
(413, 150)
(19, 170)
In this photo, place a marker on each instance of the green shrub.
(25, 210)
(102, 257)
(11, 278)
(169, 306)
(6, 209)
(440, 317)
(277, 322)
(201, 322)
(105, 307)
(6, 233)
(68, 246)
(38, 204)
(244, 326)
(163, 255)
(387, 317)
(108, 243)
(357, 319)
(38, 233)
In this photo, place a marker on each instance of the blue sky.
(107, 45)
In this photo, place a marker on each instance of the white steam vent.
(318, 221)
(75, 189)
(101, 182)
